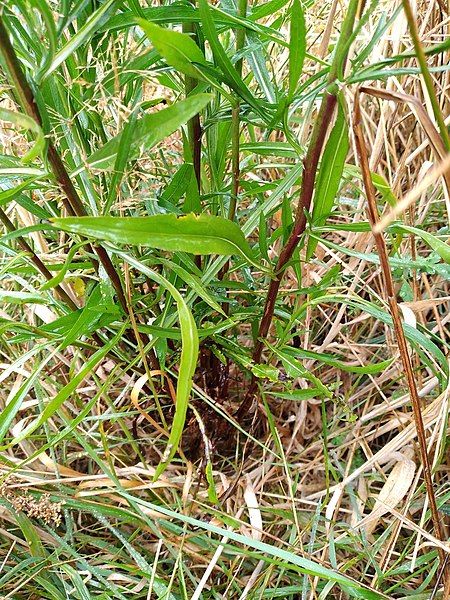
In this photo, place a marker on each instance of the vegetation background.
(221, 375)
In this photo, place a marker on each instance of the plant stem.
(235, 181)
(422, 60)
(235, 120)
(194, 125)
(235, 136)
(71, 201)
(310, 164)
(396, 319)
(194, 131)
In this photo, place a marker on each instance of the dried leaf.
(392, 493)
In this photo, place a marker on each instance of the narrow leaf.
(231, 76)
(150, 130)
(178, 49)
(202, 234)
(329, 177)
(297, 46)
(188, 360)
(330, 359)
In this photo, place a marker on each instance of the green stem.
(235, 120)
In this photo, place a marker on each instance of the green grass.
(201, 390)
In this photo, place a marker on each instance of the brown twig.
(396, 319)
(72, 202)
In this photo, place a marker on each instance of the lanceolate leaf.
(231, 76)
(188, 360)
(179, 49)
(330, 174)
(297, 46)
(150, 130)
(333, 361)
(203, 234)
(440, 247)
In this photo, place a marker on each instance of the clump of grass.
(205, 326)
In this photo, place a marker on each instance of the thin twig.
(72, 202)
(397, 322)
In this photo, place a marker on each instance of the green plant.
(166, 170)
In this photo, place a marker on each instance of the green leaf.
(379, 182)
(297, 395)
(88, 319)
(212, 493)
(150, 130)
(297, 46)
(230, 74)
(120, 162)
(12, 297)
(333, 361)
(59, 277)
(268, 148)
(183, 182)
(202, 234)
(80, 37)
(26, 122)
(330, 174)
(194, 283)
(294, 369)
(178, 49)
(440, 247)
(188, 360)
(266, 372)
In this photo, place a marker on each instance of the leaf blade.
(178, 49)
(330, 174)
(297, 46)
(196, 234)
(150, 130)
